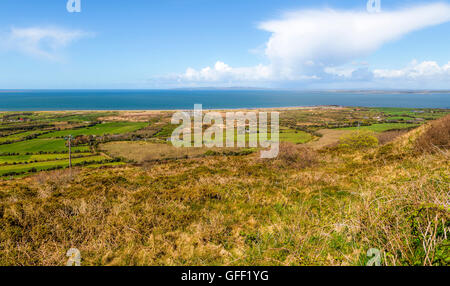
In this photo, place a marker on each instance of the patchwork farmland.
(32, 142)
(345, 180)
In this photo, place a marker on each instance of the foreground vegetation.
(312, 205)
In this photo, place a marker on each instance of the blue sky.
(193, 43)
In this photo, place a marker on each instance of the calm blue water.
(211, 99)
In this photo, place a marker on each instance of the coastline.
(150, 111)
(204, 109)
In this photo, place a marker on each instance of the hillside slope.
(304, 208)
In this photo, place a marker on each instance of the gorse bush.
(358, 140)
(436, 137)
(242, 152)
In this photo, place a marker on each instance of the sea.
(183, 99)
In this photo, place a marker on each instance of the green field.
(78, 117)
(294, 136)
(38, 157)
(40, 166)
(27, 152)
(286, 135)
(412, 112)
(36, 145)
(166, 131)
(99, 130)
(383, 127)
(93, 166)
(403, 118)
(19, 136)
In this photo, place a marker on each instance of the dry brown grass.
(295, 156)
(389, 136)
(142, 152)
(234, 211)
(435, 137)
(405, 212)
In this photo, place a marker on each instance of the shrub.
(212, 153)
(436, 137)
(243, 152)
(358, 140)
(296, 156)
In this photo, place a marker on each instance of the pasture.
(382, 127)
(38, 157)
(141, 152)
(295, 136)
(413, 112)
(35, 140)
(40, 145)
(111, 128)
(41, 166)
(19, 136)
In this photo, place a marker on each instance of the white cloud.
(416, 71)
(340, 71)
(333, 37)
(41, 42)
(321, 44)
(222, 72)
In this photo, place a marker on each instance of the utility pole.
(70, 152)
(69, 139)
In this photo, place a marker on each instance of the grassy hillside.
(325, 207)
